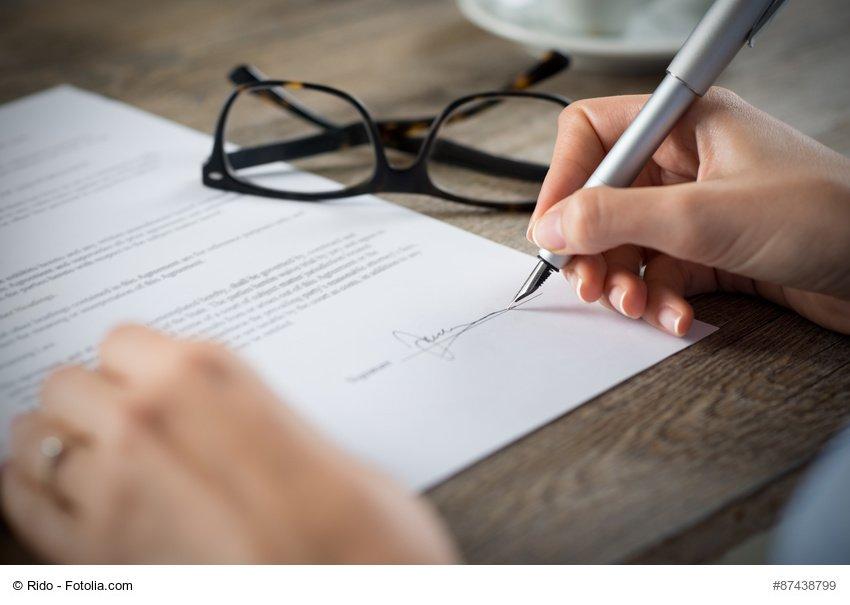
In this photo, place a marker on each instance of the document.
(386, 328)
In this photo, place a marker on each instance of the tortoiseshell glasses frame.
(416, 136)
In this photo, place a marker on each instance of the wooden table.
(677, 464)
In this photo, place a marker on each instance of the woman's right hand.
(733, 200)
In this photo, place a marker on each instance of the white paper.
(355, 311)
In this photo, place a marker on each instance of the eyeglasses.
(489, 149)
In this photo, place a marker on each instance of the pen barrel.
(711, 46)
(715, 41)
(636, 145)
(644, 135)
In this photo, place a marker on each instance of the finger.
(187, 393)
(137, 355)
(145, 358)
(73, 481)
(83, 400)
(624, 289)
(699, 222)
(587, 129)
(668, 282)
(27, 433)
(586, 275)
(191, 394)
(34, 516)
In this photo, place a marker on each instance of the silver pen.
(714, 42)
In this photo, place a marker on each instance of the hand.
(733, 200)
(175, 452)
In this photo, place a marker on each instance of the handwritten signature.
(439, 344)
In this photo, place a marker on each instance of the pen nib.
(539, 275)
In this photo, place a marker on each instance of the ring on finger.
(54, 450)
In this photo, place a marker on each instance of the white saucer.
(647, 45)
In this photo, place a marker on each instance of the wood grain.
(677, 464)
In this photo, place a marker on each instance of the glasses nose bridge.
(406, 136)
(412, 178)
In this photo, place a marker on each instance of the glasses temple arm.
(462, 156)
(305, 147)
(552, 63)
(350, 135)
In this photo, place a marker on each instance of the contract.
(387, 329)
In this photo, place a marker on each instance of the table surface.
(677, 464)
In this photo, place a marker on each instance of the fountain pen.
(714, 42)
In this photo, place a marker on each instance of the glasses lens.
(495, 149)
(277, 133)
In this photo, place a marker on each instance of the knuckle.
(718, 97)
(185, 363)
(178, 359)
(571, 113)
(122, 432)
(139, 401)
(721, 101)
(56, 380)
(202, 356)
(122, 332)
(207, 357)
(567, 113)
(720, 94)
(582, 218)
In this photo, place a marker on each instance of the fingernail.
(670, 319)
(579, 286)
(617, 297)
(530, 229)
(547, 232)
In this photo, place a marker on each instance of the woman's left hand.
(174, 451)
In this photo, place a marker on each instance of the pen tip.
(539, 275)
(520, 297)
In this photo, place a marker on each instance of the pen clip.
(768, 14)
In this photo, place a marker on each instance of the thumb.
(689, 221)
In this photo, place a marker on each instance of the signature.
(439, 344)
